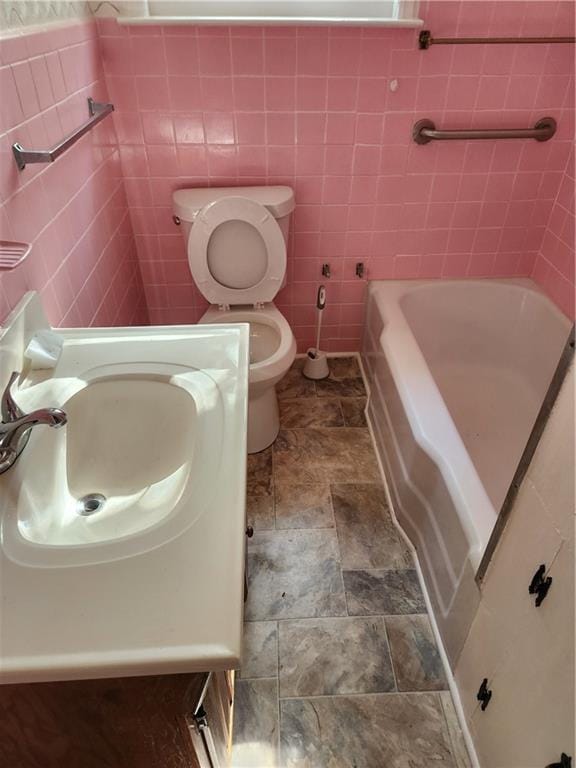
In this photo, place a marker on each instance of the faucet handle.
(9, 408)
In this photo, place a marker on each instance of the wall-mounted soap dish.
(12, 253)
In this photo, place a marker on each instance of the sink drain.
(90, 504)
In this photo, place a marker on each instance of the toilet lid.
(237, 252)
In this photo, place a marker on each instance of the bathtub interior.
(492, 350)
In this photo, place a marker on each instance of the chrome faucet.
(16, 425)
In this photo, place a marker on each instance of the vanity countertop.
(164, 600)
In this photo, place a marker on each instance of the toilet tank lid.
(187, 203)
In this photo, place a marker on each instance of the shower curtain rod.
(425, 40)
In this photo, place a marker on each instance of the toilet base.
(263, 419)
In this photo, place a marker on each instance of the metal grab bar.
(23, 156)
(425, 40)
(425, 131)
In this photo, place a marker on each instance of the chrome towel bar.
(425, 40)
(23, 156)
(425, 131)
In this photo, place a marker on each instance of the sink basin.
(121, 466)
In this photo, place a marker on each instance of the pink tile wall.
(554, 267)
(329, 111)
(74, 212)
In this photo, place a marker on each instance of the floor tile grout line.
(387, 636)
(339, 550)
(278, 711)
(363, 570)
(336, 616)
(395, 692)
(370, 693)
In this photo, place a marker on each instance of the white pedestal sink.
(122, 546)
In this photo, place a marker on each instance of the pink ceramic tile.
(281, 162)
(366, 160)
(342, 93)
(393, 160)
(11, 113)
(312, 56)
(24, 80)
(148, 56)
(309, 189)
(216, 92)
(455, 265)
(340, 128)
(122, 92)
(184, 93)
(361, 217)
(42, 82)
(336, 190)
(344, 58)
(219, 128)
(368, 129)
(249, 94)
(251, 128)
(374, 58)
(152, 93)
(14, 49)
(214, 56)
(181, 55)
(338, 160)
(247, 56)
(114, 57)
(311, 93)
(222, 161)
(157, 128)
(462, 92)
(280, 93)
(310, 128)
(189, 129)
(492, 92)
(280, 56)
(431, 93)
(280, 128)
(363, 189)
(128, 128)
(552, 90)
(310, 161)
(467, 61)
(162, 160)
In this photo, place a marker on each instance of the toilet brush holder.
(316, 365)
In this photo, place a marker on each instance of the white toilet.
(236, 241)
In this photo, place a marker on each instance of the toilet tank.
(279, 200)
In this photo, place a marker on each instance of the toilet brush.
(316, 365)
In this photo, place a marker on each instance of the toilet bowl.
(272, 352)
(236, 243)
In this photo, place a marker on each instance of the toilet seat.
(284, 349)
(231, 264)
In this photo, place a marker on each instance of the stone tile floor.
(340, 665)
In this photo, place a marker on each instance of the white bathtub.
(457, 371)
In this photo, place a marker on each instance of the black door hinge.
(565, 762)
(484, 695)
(539, 585)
